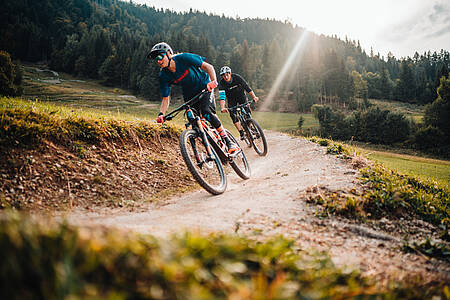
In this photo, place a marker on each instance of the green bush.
(426, 138)
(372, 125)
(24, 128)
(10, 76)
(300, 122)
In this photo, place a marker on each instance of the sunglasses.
(160, 56)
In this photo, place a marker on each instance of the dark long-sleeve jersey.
(234, 90)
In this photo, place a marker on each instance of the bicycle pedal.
(235, 153)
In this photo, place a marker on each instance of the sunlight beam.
(276, 85)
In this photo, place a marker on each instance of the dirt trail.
(270, 203)
(290, 167)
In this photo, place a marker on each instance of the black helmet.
(225, 69)
(158, 49)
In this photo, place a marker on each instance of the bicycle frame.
(210, 136)
(243, 114)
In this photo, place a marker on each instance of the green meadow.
(431, 169)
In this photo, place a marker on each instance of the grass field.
(431, 169)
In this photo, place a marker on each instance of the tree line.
(109, 40)
(374, 125)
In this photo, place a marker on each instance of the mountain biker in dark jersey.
(193, 74)
(232, 87)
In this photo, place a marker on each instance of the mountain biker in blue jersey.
(232, 87)
(193, 74)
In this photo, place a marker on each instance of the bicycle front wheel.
(239, 162)
(246, 138)
(208, 173)
(257, 137)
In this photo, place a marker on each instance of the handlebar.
(242, 104)
(175, 112)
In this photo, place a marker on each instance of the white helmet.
(158, 49)
(225, 69)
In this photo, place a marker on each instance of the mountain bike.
(205, 152)
(254, 135)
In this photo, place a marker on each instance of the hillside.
(108, 40)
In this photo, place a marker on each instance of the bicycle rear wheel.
(209, 174)
(239, 162)
(257, 137)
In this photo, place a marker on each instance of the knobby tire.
(239, 163)
(210, 175)
(253, 128)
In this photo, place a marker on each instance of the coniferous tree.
(405, 86)
(386, 85)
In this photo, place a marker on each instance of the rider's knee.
(213, 119)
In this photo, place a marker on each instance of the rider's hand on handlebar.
(160, 119)
(256, 99)
(211, 85)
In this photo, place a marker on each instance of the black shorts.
(206, 104)
(206, 107)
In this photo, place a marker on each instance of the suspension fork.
(204, 137)
(243, 120)
(196, 120)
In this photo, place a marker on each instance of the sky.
(399, 26)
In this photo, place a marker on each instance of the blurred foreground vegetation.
(58, 261)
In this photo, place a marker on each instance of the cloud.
(439, 32)
(418, 26)
(430, 20)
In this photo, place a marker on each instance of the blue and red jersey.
(188, 75)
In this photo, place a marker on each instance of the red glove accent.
(160, 119)
(211, 85)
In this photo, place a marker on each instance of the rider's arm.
(208, 68)
(164, 88)
(247, 88)
(251, 93)
(223, 97)
(164, 104)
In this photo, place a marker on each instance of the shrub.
(300, 122)
(372, 125)
(10, 76)
(428, 137)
